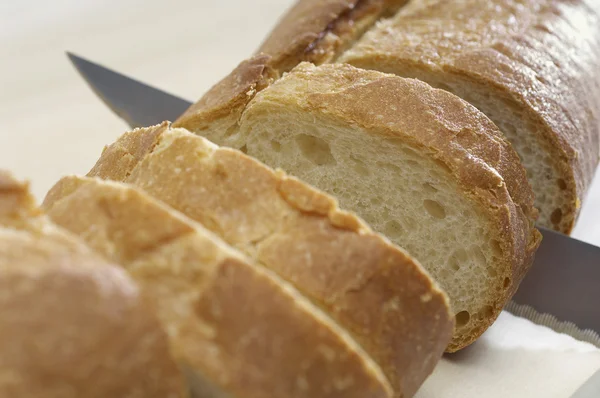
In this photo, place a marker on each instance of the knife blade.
(563, 281)
(137, 103)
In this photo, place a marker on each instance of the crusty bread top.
(301, 234)
(225, 101)
(541, 55)
(312, 30)
(66, 313)
(227, 318)
(317, 30)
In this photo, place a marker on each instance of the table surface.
(52, 125)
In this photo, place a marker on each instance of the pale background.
(51, 125)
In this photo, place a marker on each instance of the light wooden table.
(51, 125)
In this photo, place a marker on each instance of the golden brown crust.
(539, 56)
(237, 325)
(225, 102)
(459, 137)
(370, 287)
(72, 326)
(312, 30)
(17, 206)
(318, 30)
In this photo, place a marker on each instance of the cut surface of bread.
(373, 289)
(239, 330)
(531, 66)
(71, 324)
(419, 165)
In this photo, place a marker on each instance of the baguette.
(239, 330)
(71, 325)
(531, 66)
(371, 288)
(420, 165)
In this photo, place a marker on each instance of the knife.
(561, 289)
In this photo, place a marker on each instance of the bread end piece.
(72, 325)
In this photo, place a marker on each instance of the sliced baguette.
(239, 330)
(420, 165)
(371, 288)
(72, 325)
(531, 66)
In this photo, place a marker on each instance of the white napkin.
(515, 358)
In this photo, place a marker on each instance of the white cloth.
(51, 125)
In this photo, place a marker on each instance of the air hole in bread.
(487, 312)
(360, 167)
(478, 256)
(429, 188)
(231, 131)
(556, 216)
(527, 151)
(434, 209)
(389, 166)
(315, 149)
(542, 28)
(496, 248)
(409, 152)
(541, 79)
(393, 229)
(462, 319)
(561, 184)
(244, 149)
(375, 201)
(506, 282)
(411, 163)
(457, 258)
(443, 165)
(276, 146)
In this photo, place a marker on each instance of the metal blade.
(137, 103)
(564, 280)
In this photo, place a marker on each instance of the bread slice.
(72, 325)
(239, 330)
(373, 289)
(420, 165)
(319, 30)
(531, 66)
